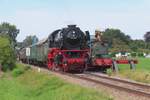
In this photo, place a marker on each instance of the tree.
(137, 45)
(147, 37)
(7, 55)
(117, 39)
(29, 40)
(9, 30)
(111, 34)
(8, 34)
(118, 45)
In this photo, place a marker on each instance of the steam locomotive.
(65, 49)
(68, 49)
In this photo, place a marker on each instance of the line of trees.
(119, 41)
(8, 42)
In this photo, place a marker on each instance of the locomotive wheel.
(54, 68)
(65, 69)
(81, 70)
(60, 69)
(49, 64)
(86, 67)
(57, 68)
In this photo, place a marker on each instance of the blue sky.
(41, 17)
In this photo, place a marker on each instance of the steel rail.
(135, 91)
(146, 86)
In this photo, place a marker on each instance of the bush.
(7, 54)
(27, 67)
(140, 54)
(113, 54)
(16, 72)
(5, 67)
(133, 54)
(20, 69)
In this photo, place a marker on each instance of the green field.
(26, 84)
(142, 72)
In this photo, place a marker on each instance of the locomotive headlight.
(74, 34)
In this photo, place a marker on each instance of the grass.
(31, 85)
(141, 74)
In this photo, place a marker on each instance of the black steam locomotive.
(70, 38)
(68, 48)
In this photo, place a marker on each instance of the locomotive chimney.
(71, 26)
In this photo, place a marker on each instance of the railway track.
(124, 85)
(130, 87)
(119, 84)
(146, 87)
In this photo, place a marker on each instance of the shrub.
(140, 54)
(7, 55)
(27, 67)
(112, 54)
(16, 72)
(6, 66)
(133, 54)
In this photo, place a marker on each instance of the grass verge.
(141, 74)
(31, 85)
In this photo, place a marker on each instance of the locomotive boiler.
(70, 38)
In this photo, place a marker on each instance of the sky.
(41, 17)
